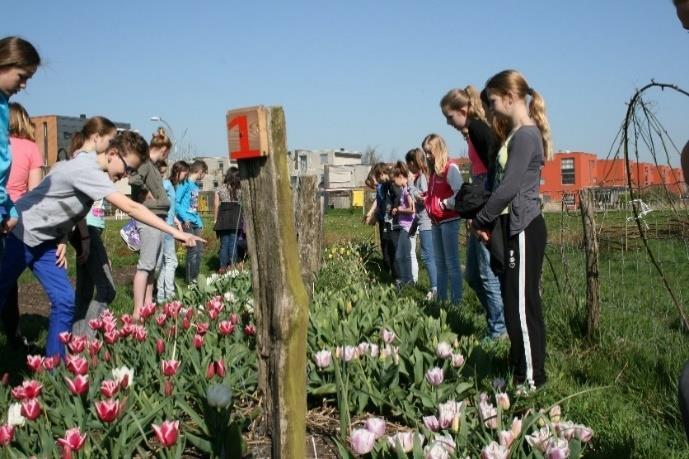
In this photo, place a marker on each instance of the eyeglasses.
(128, 170)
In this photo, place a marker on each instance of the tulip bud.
(160, 346)
(502, 400)
(555, 413)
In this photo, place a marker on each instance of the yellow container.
(357, 198)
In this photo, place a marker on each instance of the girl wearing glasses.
(49, 211)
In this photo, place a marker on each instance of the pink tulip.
(210, 371)
(505, 438)
(77, 344)
(323, 358)
(213, 313)
(108, 410)
(64, 337)
(95, 324)
(539, 439)
(31, 388)
(583, 433)
(95, 345)
(35, 362)
(431, 423)
(387, 335)
(374, 350)
(436, 450)
(502, 400)
(139, 333)
(495, 451)
(198, 341)
(443, 350)
(77, 364)
(234, 318)
(169, 367)
(202, 328)
(558, 448)
(6, 435)
(350, 353)
(220, 368)
(405, 440)
(435, 376)
(160, 319)
(186, 324)
(109, 388)
(167, 388)
(488, 414)
(362, 441)
(160, 346)
(457, 360)
(376, 426)
(516, 427)
(31, 409)
(78, 385)
(50, 363)
(126, 330)
(225, 328)
(172, 309)
(448, 412)
(167, 432)
(73, 440)
(111, 336)
(147, 310)
(250, 330)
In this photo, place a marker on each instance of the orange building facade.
(569, 172)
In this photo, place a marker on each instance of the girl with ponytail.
(93, 270)
(514, 210)
(464, 111)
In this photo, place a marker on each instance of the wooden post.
(309, 225)
(257, 138)
(586, 203)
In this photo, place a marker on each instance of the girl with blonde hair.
(514, 210)
(25, 175)
(444, 182)
(463, 110)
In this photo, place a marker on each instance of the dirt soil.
(32, 298)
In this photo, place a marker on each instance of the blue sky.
(352, 74)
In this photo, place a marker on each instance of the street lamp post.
(158, 119)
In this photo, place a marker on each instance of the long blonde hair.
(20, 123)
(512, 80)
(468, 97)
(436, 145)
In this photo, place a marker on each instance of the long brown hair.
(468, 98)
(512, 80)
(417, 157)
(17, 52)
(94, 125)
(20, 123)
(177, 169)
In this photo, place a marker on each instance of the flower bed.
(182, 381)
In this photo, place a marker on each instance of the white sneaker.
(430, 296)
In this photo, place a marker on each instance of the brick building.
(54, 134)
(569, 172)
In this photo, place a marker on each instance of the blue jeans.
(403, 257)
(486, 284)
(228, 248)
(168, 264)
(446, 254)
(193, 263)
(41, 260)
(427, 257)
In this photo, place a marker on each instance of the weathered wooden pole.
(308, 218)
(257, 140)
(586, 204)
